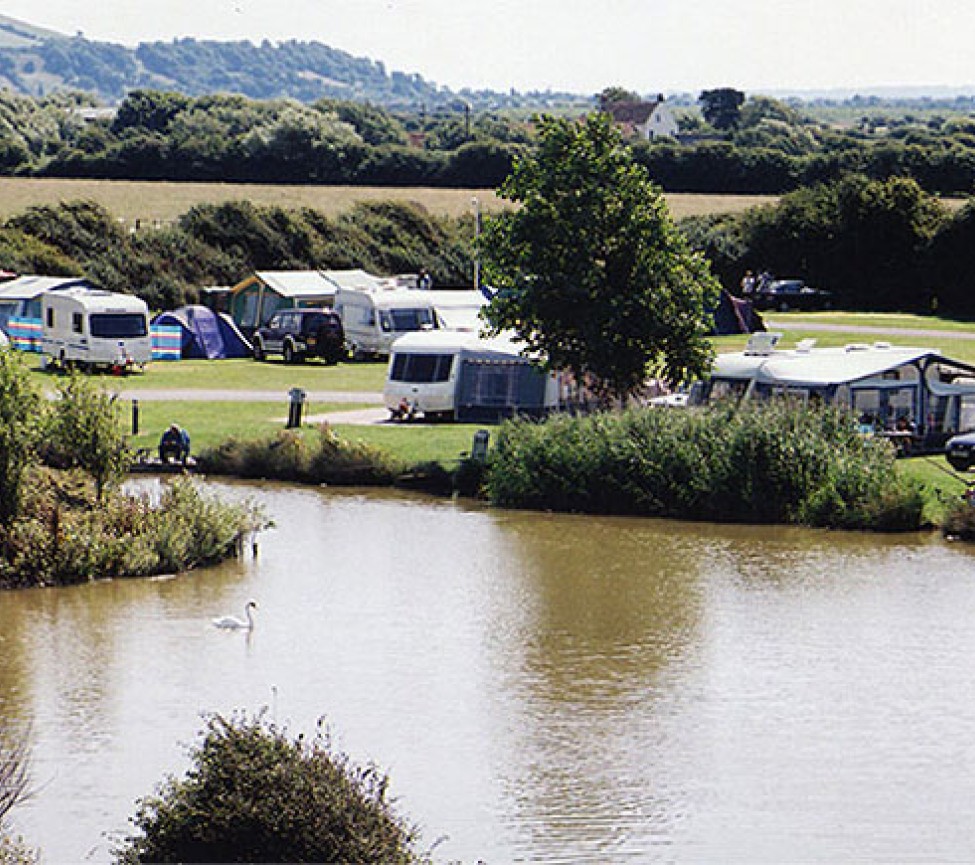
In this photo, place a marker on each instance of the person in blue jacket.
(174, 444)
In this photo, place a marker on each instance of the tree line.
(734, 144)
(876, 244)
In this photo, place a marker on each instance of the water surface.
(540, 688)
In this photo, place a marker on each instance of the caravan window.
(118, 326)
(421, 368)
(77, 322)
(401, 320)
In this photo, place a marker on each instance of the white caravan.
(89, 327)
(454, 374)
(373, 319)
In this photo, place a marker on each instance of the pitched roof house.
(648, 120)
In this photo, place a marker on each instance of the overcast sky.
(577, 45)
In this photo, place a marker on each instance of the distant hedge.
(771, 463)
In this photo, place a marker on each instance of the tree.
(610, 96)
(589, 269)
(722, 107)
(254, 795)
(20, 409)
(86, 432)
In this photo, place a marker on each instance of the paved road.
(872, 329)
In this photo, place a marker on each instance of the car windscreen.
(116, 325)
(421, 368)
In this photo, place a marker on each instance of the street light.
(477, 240)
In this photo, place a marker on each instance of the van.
(88, 327)
(374, 319)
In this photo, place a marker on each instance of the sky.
(649, 46)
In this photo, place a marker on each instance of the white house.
(648, 120)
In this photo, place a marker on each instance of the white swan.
(233, 623)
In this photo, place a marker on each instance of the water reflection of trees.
(613, 614)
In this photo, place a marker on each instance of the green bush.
(254, 795)
(65, 536)
(959, 520)
(761, 463)
(323, 458)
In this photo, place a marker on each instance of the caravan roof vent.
(762, 343)
(857, 346)
(804, 346)
(882, 345)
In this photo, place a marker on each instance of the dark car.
(786, 294)
(960, 451)
(300, 333)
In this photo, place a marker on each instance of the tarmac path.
(871, 329)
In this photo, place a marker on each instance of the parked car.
(786, 294)
(300, 333)
(960, 451)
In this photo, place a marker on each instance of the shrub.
(254, 795)
(959, 520)
(290, 456)
(65, 536)
(763, 463)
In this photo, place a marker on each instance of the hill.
(37, 62)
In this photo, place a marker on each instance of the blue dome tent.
(205, 333)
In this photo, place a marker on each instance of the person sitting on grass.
(174, 445)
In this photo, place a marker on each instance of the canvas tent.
(254, 300)
(735, 315)
(205, 333)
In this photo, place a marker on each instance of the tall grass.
(323, 458)
(772, 463)
(65, 536)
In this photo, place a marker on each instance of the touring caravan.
(893, 390)
(374, 319)
(88, 327)
(445, 374)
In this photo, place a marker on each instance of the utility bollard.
(135, 417)
(297, 396)
(479, 446)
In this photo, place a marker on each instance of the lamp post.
(477, 240)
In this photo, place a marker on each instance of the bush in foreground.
(761, 463)
(254, 795)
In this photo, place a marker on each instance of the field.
(154, 203)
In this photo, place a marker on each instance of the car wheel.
(258, 350)
(783, 307)
(959, 464)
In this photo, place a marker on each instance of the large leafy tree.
(589, 269)
(721, 107)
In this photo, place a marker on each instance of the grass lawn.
(247, 374)
(209, 423)
(418, 442)
(941, 483)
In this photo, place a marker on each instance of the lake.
(540, 688)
